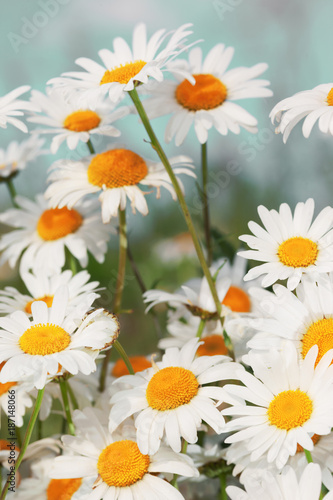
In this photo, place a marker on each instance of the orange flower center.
(44, 339)
(82, 121)
(138, 363)
(62, 489)
(315, 438)
(237, 300)
(122, 464)
(123, 73)
(8, 385)
(290, 409)
(48, 299)
(4, 445)
(208, 92)
(320, 333)
(56, 223)
(298, 252)
(117, 168)
(330, 97)
(213, 344)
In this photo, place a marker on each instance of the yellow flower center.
(44, 339)
(123, 73)
(237, 300)
(208, 92)
(122, 464)
(315, 438)
(117, 168)
(330, 97)
(82, 121)
(171, 387)
(320, 333)
(48, 299)
(62, 489)
(290, 409)
(56, 223)
(213, 344)
(138, 363)
(298, 252)
(8, 385)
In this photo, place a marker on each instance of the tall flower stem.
(26, 439)
(159, 150)
(64, 394)
(308, 456)
(12, 190)
(206, 219)
(174, 481)
(122, 353)
(223, 485)
(91, 147)
(201, 328)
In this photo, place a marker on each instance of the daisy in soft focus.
(43, 233)
(11, 107)
(171, 399)
(116, 174)
(283, 486)
(43, 287)
(54, 336)
(18, 392)
(290, 401)
(17, 155)
(290, 245)
(209, 101)
(70, 119)
(125, 66)
(313, 105)
(114, 463)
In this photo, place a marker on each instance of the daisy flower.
(43, 287)
(171, 398)
(290, 245)
(116, 174)
(290, 401)
(43, 233)
(120, 470)
(17, 155)
(313, 105)
(72, 120)
(11, 107)
(208, 101)
(123, 67)
(284, 486)
(36, 347)
(19, 392)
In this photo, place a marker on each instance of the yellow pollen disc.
(8, 385)
(43, 339)
(315, 438)
(56, 223)
(290, 409)
(320, 333)
(171, 387)
(208, 92)
(82, 121)
(138, 363)
(298, 252)
(237, 300)
(48, 299)
(122, 464)
(62, 489)
(213, 345)
(330, 97)
(117, 168)
(123, 73)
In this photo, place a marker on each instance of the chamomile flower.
(17, 155)
(120, 470)
(18, 392)
(71, 120)
(170, 398)
(54, 336)
(290, 245)
(43, 233)
(315, 104)
(11, 107)
(290, 401)
(116, 175)
(43, 287)
(209, 101)
(123, 67)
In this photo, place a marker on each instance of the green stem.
(18, 436)
(122, 353)
(26, 440)
(206, 219)
(91, 147)
(174, 481)
(223, 485)
(72, 396)
(12, 191)
(159, 150)
(73, 263)
(64, 394)
(308, 456)
(201, 328)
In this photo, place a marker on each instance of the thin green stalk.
(26, 440)
(174, 481)
(206, 219)
(64, 394)
(308, 456)
(72, 396)
(223, 485)
(122, 353)
(201, 328)
(91, 147)
(159, 150)
(12, 191)
(18, 436)
(73, 263)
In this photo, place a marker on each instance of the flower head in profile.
(17, 155)
(11, 107)
(125, 66)
(208, 101)
(117, 175)
(313, 105)
(18, 393)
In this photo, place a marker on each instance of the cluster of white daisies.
(246, 396)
